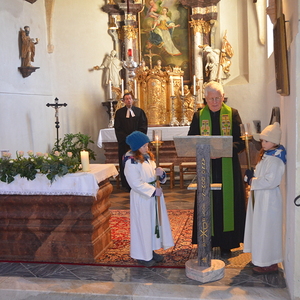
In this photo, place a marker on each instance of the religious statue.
(27, 47)
(141, 71)
(112, 67)
(188, 103)
(212, 63)
(226, 54)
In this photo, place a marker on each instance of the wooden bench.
(186, 168)
(169, 169)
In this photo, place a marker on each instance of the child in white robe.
(149, 226)
(263, 229)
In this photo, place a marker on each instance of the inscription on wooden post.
(203, 205)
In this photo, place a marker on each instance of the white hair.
(213, 86)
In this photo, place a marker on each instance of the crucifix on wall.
(56, 106)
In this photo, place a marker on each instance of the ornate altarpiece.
(166, 91)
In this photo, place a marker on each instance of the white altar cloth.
(107, 135)
(79, 183)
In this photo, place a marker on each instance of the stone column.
(203, 17)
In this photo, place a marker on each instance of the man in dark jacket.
(128, 119)
(228, 205)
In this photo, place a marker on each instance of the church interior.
(84, 56)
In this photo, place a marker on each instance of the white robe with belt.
(143, 212)
(263, 230)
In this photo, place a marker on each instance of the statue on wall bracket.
(27, 51)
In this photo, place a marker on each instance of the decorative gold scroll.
(130, 17)
(130, 32)
(200, 26)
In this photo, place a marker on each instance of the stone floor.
(65, 281)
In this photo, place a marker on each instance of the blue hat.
(136, 140)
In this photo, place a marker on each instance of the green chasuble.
(227, 170)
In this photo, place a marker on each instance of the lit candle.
(172, 86)
(85, 163)
(122, 87)
(157, 135)
(194, 85)
(110, 89)
(182, 90)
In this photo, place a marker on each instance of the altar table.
(167, 152)
(66, 221)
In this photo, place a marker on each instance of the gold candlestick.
(157, 142)
(246, 136)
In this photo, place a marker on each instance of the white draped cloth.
(79, 183)
(143, 212)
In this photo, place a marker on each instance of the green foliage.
(75, 143)
(52, 165)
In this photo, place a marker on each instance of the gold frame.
(280, 56)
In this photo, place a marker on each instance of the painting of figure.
(164, 33)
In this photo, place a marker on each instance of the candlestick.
(246, 136)
(194, 84)
(110, 89)
(172, 86)
(122, 87)
(182, 89)
(85, 163)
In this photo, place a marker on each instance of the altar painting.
(164, 35)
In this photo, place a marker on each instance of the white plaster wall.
(246, 86)
(80, 42)
(24, 125)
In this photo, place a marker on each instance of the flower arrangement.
(52, 165)
(75, 142)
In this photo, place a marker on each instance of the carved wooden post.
(203, 205)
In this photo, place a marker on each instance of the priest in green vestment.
(227, 205)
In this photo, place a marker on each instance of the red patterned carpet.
(181, 224)
(176, 257)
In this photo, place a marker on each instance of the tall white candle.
(122, 87)
(110, 89)
(194, 84)
(172, 86)
(135, 89)
(85, 162)
(182, 90)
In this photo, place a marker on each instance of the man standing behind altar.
(228, 205)
(128, 119)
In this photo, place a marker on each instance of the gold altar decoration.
(130, 32)
(155, 86)
(200, 26)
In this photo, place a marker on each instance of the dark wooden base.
(72, 229)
